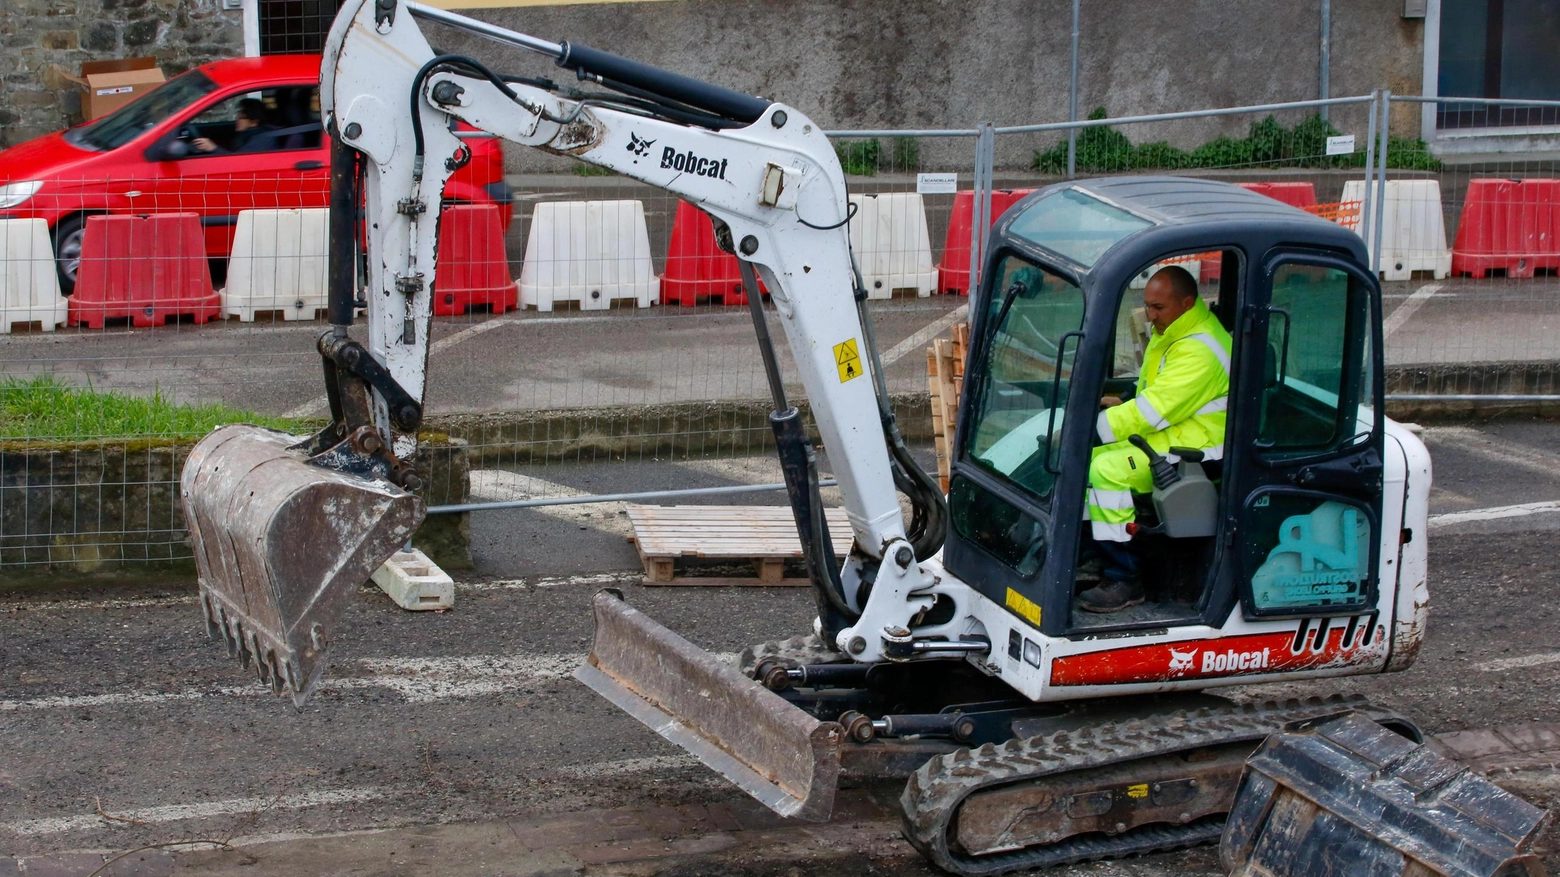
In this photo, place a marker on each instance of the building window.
(1499, 49)
(295, 27)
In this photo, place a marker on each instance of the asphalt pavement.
(456, 743)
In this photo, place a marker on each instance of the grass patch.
(581, 169)
(1102, 149)
(44, 408)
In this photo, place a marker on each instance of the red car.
(189, 146)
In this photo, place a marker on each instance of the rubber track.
(934, 793)
(795, 651)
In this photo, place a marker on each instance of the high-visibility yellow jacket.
(1183, 390)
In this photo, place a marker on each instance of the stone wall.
(845, 63)
(953, 63)
(43, 40)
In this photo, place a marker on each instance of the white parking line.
(137, 603)
(316, 406)
(176, 812)
(1405, 310)
(497, 485)
(1518, 663)
(924, 335)
(418, 680)
(652, 764)
(1493, 514)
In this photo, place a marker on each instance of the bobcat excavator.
(947, 649)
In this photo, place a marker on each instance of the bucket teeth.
(281, 544)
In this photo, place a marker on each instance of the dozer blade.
(279, 546)
(773, 751)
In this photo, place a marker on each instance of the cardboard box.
(108, 85)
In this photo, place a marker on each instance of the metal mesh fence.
(1470, 256)
(584, 319)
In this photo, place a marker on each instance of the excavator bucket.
(279, 546)
(773, 751)
(1344, 795)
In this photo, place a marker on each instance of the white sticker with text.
(936, 184)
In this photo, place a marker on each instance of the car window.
(150, 110)
(279, 119)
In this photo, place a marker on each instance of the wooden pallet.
(764, 535)
(945, 378)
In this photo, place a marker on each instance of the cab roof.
(1187, 201)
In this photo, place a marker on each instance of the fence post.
(1368, 199)
(980, 219)
(1072, 98)
(1381, 180)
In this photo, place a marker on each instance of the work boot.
(1111, 596)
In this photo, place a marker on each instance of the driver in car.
(247, 125)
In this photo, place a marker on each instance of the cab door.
(1305, 532)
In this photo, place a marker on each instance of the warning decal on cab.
(847, 360)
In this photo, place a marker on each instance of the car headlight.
(13, 194)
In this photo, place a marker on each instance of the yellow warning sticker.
(1027, 609)
(1138, 791)
(847, 360)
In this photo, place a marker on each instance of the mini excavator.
(947, 649)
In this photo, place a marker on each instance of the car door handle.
(309, 165)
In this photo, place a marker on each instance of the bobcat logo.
(638, 145)
(1180, 662)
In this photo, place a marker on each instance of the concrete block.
(29, 284)
(415, 582)
(589, 252)
(279, 263)
(889, 237)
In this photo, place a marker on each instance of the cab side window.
(1316, 373)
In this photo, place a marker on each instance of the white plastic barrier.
(279, 263)
(590, 252)
(1413, 228)
(889, 237)
(29, 284)
(1141, 280)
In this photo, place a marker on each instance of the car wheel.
(68, 234)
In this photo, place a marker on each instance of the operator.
(247, 125)
(1179, 401)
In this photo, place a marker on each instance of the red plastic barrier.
(147, 268)
(953, 272)
(695, 266)
(473, 268)
(1509, 225)
(1300, 195)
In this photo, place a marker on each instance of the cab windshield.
(1076, 224)
(137, 117)
(1023, 393)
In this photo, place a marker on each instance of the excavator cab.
(1283, 519)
